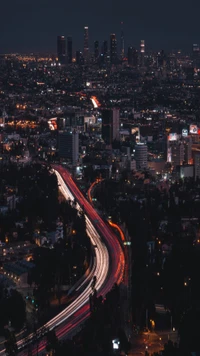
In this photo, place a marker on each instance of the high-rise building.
(187, 142)
(122, 49)
(68, 145)
(141, 153)
(197, 165)
(196, 54)
(69, 49)
(179, 151)
(113, 49)
(86, 44)
(110, 125)
(142, 52)
(61, 49)
(161, 59)
(175, 153)
(79, 58)
(132, 57)
(104, 53)
(96, 50)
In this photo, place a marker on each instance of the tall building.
(187, 142)
(196, 54)
(68, 145)
(141, 153)
(104, 53)
(142, 52)
(161, 59)
(61, 49)
(179, 151)
(113, 49)
(110, 125)
(69, 49)
(197, 165)
(175, 151)
(132, 57)
(86, 44)
(79, 58)
(122, 49)
(96, 50)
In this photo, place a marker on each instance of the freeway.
(99, 228)
(108, 265)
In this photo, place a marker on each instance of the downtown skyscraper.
(142, 52)
(122, 45)
(69, 49)
(61, 49)
(86, 44)
(96, 50)
(113, 49)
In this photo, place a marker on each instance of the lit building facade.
(86, 44)
(110, 125)
(179, 151)
(68, 145)
(141, 153)
(113, 49)
(142, 52)
(69, 49)
(61, 49)
(96, 50)
(122, 49)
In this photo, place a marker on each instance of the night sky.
(32, 25)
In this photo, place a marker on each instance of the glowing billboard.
(173, 137)
(194, 129)
(184, 132)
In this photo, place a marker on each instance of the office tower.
(68, 145)
(141, 153)
(105, 48)
(195, 50)
(187, 142)
(110, 125)
(69, 49)
(196, 54)
(197, 165)
(113, 49)
(175, 152)
(96, 50)
(61, 123)
(61, 49)
(122, 49)
(79, 58)
(104, 53)
(142, 52)
(86, 44)
(161, 59)
(132, 57)
(179, 151)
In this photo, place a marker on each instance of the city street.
(151, 342)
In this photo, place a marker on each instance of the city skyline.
(34, 27)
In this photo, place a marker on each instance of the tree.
(10, 344)
(16, 309)
(52, 341)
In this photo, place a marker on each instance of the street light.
(116, 344)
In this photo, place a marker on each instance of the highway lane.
(108, 265)
(115, 251)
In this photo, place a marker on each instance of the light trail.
(118, 229)
(108, 266)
